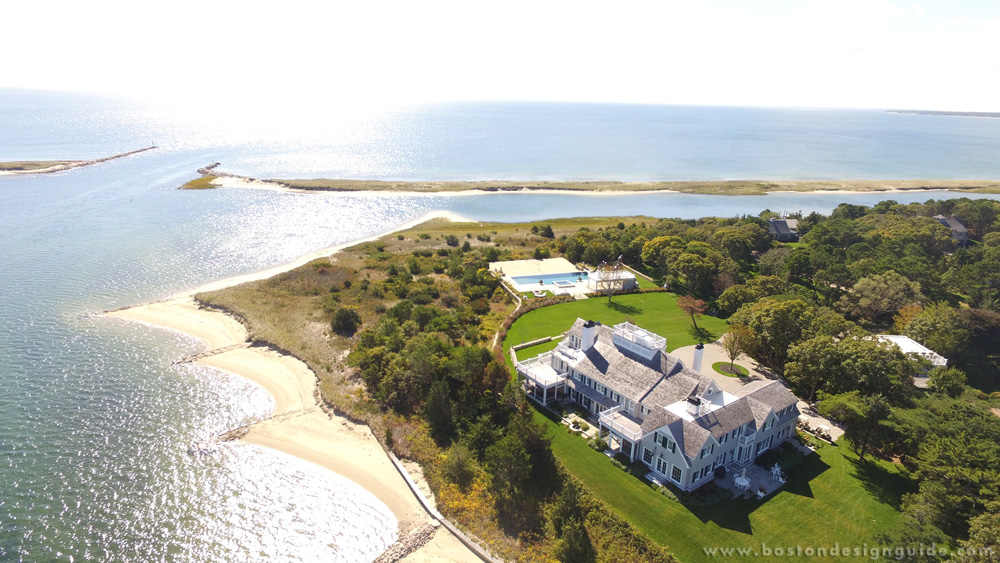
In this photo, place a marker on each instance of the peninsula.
(211, 178)
(946, 113)
(48, 166)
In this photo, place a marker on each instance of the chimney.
(589, 335)
(699, 351)
(694, 406)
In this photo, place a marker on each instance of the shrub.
(424, 236)
(400, 237)
(667, 492)
(622, 458)
(345, 321)
(451, 240)
(598, 444)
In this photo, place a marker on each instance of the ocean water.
(95, 421)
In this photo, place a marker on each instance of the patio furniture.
(776, 474)
(742, 483)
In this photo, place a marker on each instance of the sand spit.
(722, 187)
(74, 164)
(299, 426)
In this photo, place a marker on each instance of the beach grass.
(203, 183)
(19, 166)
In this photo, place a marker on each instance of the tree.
(574, 546)
(696, 270)
(691, 306)
(907, 533)
(438, 412)
(863, 418)
(735, 343)
(949, 381)
(459, 465)
(775, 326)
(983, 545)
(874, 296)
(811, 364)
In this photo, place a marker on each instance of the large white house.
(653, 408)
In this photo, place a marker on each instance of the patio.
(748, 484)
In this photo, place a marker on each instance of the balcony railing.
(748, 438)
(618, 424)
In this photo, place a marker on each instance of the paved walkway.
(714, 353)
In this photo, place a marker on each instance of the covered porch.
(541, 381)
(624, 432)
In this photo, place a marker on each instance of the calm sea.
(94, 420)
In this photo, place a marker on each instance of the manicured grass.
(723, 368)
(656, 312)
(829, 498)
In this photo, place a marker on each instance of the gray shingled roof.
(783, 226)
(665, 380)
(726, 419)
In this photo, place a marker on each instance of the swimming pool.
(549, 279)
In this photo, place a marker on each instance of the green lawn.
(829, 498)
(656, 312)
(723, 368)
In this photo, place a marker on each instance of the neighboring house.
(653, 408)
(784, 230)
(958, 230)
(911, 347)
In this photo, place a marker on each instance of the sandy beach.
(298, 426)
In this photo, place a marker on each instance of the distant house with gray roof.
(784, 230)
(958, 230)
(653, 408)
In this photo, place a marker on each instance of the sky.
(939, 55)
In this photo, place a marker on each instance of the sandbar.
(299, 426)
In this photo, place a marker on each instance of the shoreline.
(599, 188)
(67, 164)
(300, 426)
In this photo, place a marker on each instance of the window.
(668, 443)
(647, 455)
(676, 473)
(723, 439)
(661, 466)
(644, 409)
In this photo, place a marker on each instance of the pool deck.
(516, 268)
